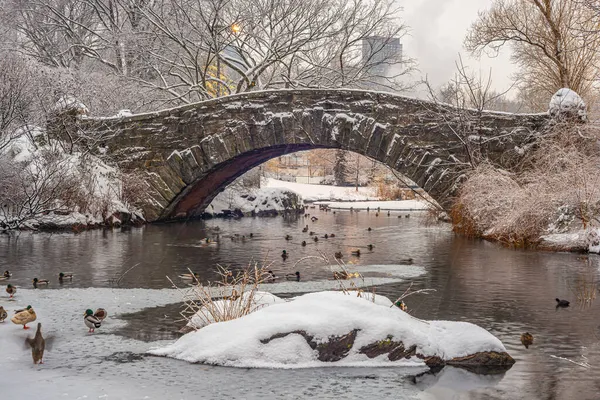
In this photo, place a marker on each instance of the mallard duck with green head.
(24, 316)
(11, 290)
(65, 276)
(40, 282)
(91, 321)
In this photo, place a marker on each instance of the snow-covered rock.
(71, 104)
(330, 327)
(566, 103)
(264, 200)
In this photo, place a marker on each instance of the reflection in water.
(449, 382)
(505, 291)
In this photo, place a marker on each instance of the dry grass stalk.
(231, 297)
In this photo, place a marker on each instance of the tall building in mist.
(380, 54)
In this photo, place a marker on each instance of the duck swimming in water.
(356, 253)
(370, 247)
(316, 239)
(7, 274)
(303, 243)
(65, 276)
(527, 339)
(338, 254)
(562, 303)
(271, 276)
(288, 237)
(284, 254)
(293, 277)
(40, 282)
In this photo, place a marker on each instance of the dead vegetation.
(553, 190)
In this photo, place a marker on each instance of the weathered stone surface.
(192, 153)
(338, 347)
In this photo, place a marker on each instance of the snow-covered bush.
(557, 188)
(567, 104)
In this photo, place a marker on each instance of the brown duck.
(37, 344)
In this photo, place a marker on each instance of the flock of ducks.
(93, 320)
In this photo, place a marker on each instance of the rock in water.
(328, 327)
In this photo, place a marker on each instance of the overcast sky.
(437, 31)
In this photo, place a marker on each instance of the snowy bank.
(49, 187)
(312, 193)
(331, 328)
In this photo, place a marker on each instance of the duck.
(326, 236)
(370, 247)
(3, 314)
(271, 276)
(313, 219)
(101, 314)
(356, 253)
(527, 339)
(562, 303)
(24, 316)
(91, 321)
(369, 229)
(389, 214)
(345, 275)
(406, 261)
(305, 229)
(37, 344)
(338, 254)
(288, 237)
(284, 254)
(293, 277)
(40, 282)
(401, 305)
(407, 216)
(251, 235)
(311, 233)
(190, 277)
(377, 214)
(7, 274)
(316, 239)
(332, 235)
(303, 243)
(11, 290)
(64, 276)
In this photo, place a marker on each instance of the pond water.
(505, 291)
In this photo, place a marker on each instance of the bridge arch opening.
(197, 196)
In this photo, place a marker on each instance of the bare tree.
(15, 97)
(207, 48)
(547, 42)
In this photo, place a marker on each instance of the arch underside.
(195, 197)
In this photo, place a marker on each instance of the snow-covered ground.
(345, 197)
(251, 341)
(313, 193)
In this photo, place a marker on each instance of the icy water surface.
(505, 291)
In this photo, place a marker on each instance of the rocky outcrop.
(337, 347)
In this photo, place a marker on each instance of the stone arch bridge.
(189, 154)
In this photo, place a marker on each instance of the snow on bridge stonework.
(190, 153)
